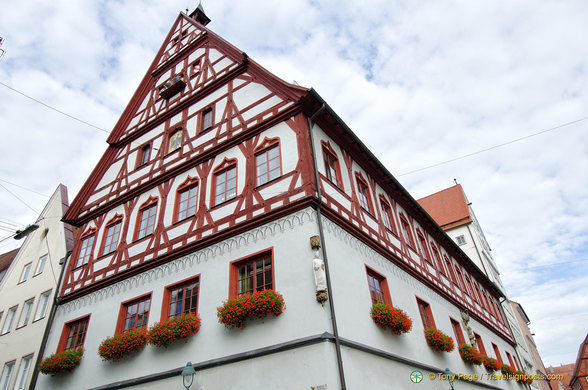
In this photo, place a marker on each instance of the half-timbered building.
(214, 181)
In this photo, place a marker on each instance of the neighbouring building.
(451, 209)
(565, 372)
(220, 180)
(579, 379)
(524, 321)
(27, 293)
(5, 261)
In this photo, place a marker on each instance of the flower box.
(438, 340)
(121, 345)
(389, 317)
(490, 363)
(507, 370)
(181, 327)
(65, 361)
(234, 312)
(470, 354)
(521, 377)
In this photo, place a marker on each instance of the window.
(134, 315)
(252, 274)
(460, 240)
(509, 359)
(450, 268)
(147, 219)
(423, 247)
(387, 216)
(40, 265)
(480, 344)
(27, 307)
(85, 251)
(332, 166)
(43, 304)
(378, 287)
(23, 371)
(461, 279)
(406, 233)
(497, 352)
(181, 298)
(267, 164)
(426, 314)
(207, 119)
(438, 259)
(457, 331)
(175, 141)
(225, 185)
(25, 273)
(9, 318)
(470, 290)
(186, 199)
(6, 375)
(74, 334)
(111, 236)
(144, 155)
(363, 193)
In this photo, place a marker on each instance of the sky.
(437, 90)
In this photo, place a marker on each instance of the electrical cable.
(24, 188)
(22, 201)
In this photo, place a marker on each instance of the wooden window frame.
(437, 256)
(223, 168)
(462, 280)
(122, 314)
(406, 230)
(457, 331)
(497, 353)
(66, 332)
(264, 148)
(234, 271)
(451, 271)
(329, 155)
(383, 284)
(201, 120)
(88, 249)
(480, 344)
(426, 313)
(148, 205)
(422, 244)
(509, 359)
(116, 220)
(387, 216)
(167, 295)
(143, 155)
(188, 185)
(365, 196)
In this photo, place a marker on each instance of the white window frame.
(23, 372)
(42, 305)
(25, 272)
(40, 265)
(7, 374)
(9, 319)
(460, 240)
(25, 314)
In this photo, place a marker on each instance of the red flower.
(234, 312)
(507, 370)
(65, 361)
(470, 354)
(438, 340)
(116, 347)
(388, 316)
(490, 363)
(184, 326)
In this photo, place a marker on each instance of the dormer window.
(172, 87)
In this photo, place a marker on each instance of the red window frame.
(378, 287)
(451, 272)
(437, 257)
(136, 311)
(423, 247)
(112, 229)
(363, 194)
(206, 120)
(263, 173)
(497, 352)
(183, 295)
(229, 189)
(172, 134)
(457, 331)
(406, 231)
(259, 264)
(331, 163)
(186, 199)
(86, 248)
(480, 344)
(461, 279)
(146, 219)
(387, 216)
(73, 334)
(509, 359)
(143, 155)
(514, 358)
(426, 314)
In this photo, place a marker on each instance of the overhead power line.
(54, 109)
(493, 147)
(22, 201)
(24, 188)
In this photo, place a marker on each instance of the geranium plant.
(470, 354)
(507, 370)
(438, 340)
(490, 363)
(116, 347)
(389, 317)
(181, 327)
(234, 312)
(59, 362)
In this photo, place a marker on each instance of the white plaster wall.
(294, 278)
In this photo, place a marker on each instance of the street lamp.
(450, 377)
(188, 375)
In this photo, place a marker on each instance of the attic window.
(172, 87)
(460, 240)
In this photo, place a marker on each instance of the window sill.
(142, 238)
(223, 203)
(339, 188)
(267, 183)
(204, 131)
(105, 254)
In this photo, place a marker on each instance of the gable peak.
(199, 16)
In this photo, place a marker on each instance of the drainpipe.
(324, 250)
(54, 305)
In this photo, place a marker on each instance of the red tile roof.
(6, 259)
(567, 370)
(449, 207)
